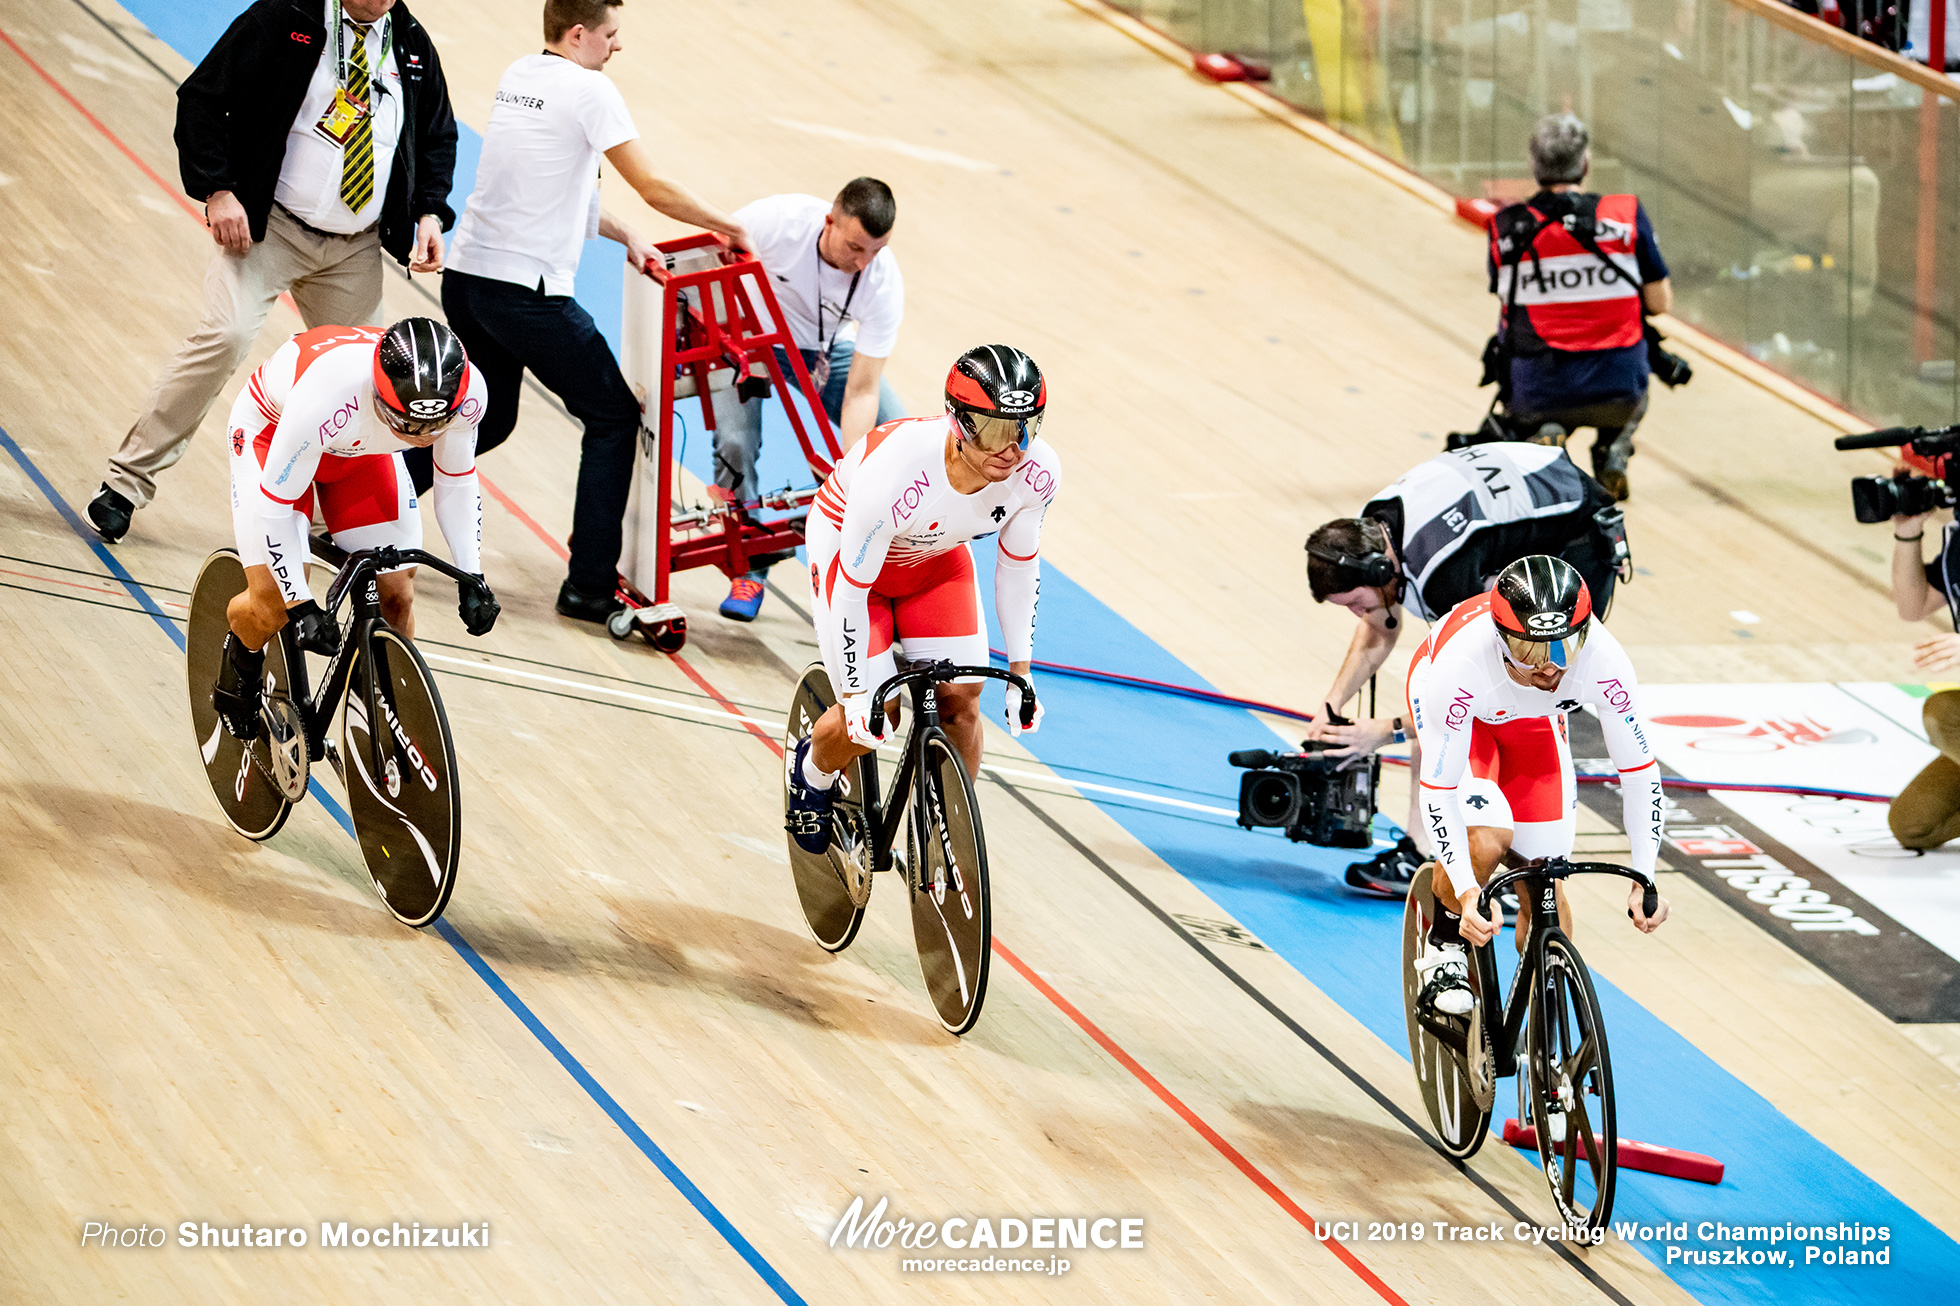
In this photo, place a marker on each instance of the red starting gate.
(690, 327)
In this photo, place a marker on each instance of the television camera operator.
(1926, 812)
(1434, 538)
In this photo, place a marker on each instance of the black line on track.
(92, 575)
(1299, 1031)
(131, 46)
(95, 603)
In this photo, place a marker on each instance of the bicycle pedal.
(331, 754)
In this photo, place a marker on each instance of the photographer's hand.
(1362, 737)
(1937, 653)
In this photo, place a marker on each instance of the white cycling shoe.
(1444, 969)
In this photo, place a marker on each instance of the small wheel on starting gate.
(620, 624)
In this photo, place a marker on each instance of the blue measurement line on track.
(449, 933)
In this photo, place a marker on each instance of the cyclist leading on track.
(326, 418)
(889, 564)
(1489, 693)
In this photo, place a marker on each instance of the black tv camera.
(1316, 799)
(1907, 494)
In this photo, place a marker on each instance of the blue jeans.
(738, 422)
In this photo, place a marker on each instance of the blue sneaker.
(744, 598)
(809, 808)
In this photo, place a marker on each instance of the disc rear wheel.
(247, 793)
(1459, 1102)
(400, 766)
(832, 887)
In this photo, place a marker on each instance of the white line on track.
(691, 709)
(926, 153)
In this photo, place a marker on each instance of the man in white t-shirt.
(834, 278)
(508, 291)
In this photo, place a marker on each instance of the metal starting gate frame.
(689, 327)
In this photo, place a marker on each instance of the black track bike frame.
(356, 580)
(885, 821)
(1539, 880)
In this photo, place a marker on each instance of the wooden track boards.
(200, 1029)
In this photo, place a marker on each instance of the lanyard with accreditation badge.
(337, 123)
(820, 374)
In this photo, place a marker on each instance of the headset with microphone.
(1375, 569)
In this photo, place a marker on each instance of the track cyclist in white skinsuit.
(889, 564)
(326, 418)
(1489, 692)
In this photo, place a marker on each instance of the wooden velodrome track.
(1245, 334)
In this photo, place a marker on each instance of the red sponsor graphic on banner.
(1732, 734)
(1710, 841)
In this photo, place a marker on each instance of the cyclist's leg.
(831, 746)
(939, 617)
(1535, 773)
(369, 503)
(257, 614)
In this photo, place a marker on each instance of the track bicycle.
(394, 755)
(1551, 1027)
(945, 858)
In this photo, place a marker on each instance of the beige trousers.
(335, 281)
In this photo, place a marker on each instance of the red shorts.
(1526, 760)
(353, 492)
(935, 598)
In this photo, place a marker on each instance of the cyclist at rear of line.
(325, 419)
(889, 564)
(1488, 693)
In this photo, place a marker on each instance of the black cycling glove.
(317, 630)
(477, 606)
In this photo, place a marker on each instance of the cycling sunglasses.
(993, 434)
(1543, 654)
(411, 428)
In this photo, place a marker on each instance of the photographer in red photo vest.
(1576, 274)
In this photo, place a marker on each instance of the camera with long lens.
(1316, 799)
(1906, 494)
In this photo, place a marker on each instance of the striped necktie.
(357, 156)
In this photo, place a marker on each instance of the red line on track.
(1108, 1044)
(96, 122)
(71, 584)
(1192, 1118)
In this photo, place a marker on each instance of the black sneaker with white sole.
(109, 512)
(1389, 872)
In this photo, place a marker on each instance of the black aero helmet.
(419, 368)
(1542, 610)
(996, 394)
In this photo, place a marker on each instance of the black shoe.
(1389, 872)
(109, 513)
(236, 695)
(1610, 466)
(580, 606)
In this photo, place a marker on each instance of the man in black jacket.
(283, 131)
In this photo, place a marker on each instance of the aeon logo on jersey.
(1734, 734)
(342, 416)
(1617, 696)
(910, 498)
(1459, 710)
(1039, 478)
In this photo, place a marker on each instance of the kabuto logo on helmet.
(424, 410)
(1014, 399)
(1545, 622)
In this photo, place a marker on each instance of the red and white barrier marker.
(1219, 67)
(1651, 1157)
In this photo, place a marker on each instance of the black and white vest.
(1448, 499)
